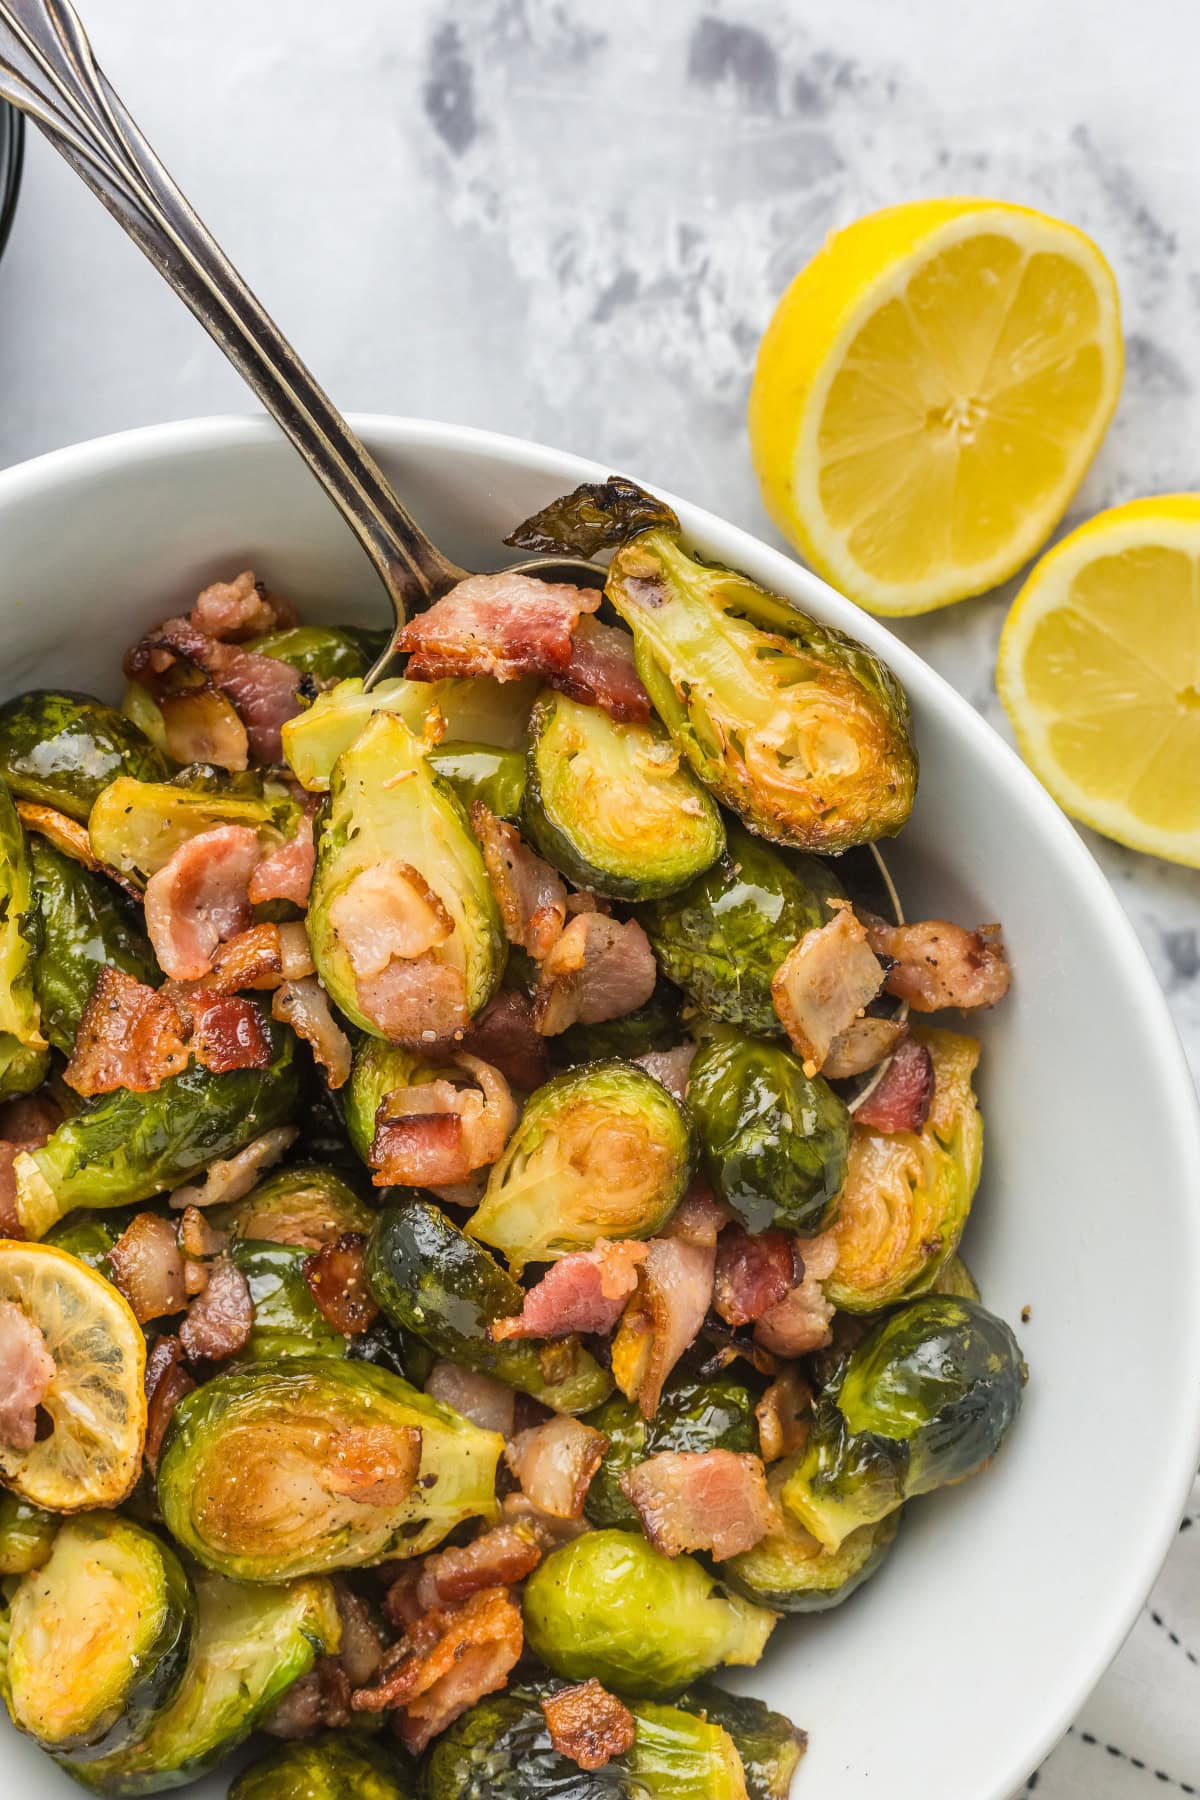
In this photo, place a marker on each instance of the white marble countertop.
(571, 222)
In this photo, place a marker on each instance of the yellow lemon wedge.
(928, 395)
(1099, 669)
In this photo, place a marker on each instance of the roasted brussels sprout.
(378, 1070)
(85, 926)
(926, 1398)
(24, 1053)
(137, 826)
(657, 1025)
(90, 1236)
(125, 1147)
(433, 1281)
(251, 1644)
(61, 749)
(602, 1151)
(773, 1141)
(907, 1195)
(717, 1414)
(597, 515)
(293, 1468)
(99, 1637)
(287, 1320)
(332, 1767)
(328, 652)
(608, 1604)
(769, 1745)
(798, 728)
(612, 807)
(304, 1205)
(26, 1535)
(791, 1572)
(480, 772)
(722, 939)
(955, 1278)
(390, 812)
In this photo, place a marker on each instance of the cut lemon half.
(95, 1405)
(928, 395)
(1099, 670)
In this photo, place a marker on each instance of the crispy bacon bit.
(554, 1464)
(147, 1267)
(713, 1500)
(547, 1531)
(197, 1237)
(902, 1099)
(265, 690)
(389, 910)
(195, 1276)
(671, 1067)
(286, 873)
(198, 899)
(700, 1217)
(251, 959)
(452, 1657)
(319, 1701)
(240, 608)
(861, 1047)
(373, 1465)
(304, 1005)
(487, 1403)
(129, 1036)
(598, 969)
(601, 672)
(936, 964)
(588, 1724)
(336, 1280)
(585, 1291)
(166, 1384)
(667, 1310)
(497, 1558)
(227, 1031)
(801, 1322)
(219, 1321)
(502, 625)
(234, 1176)
(755, 1271)
(434, 1133)
(530, 895)
(503, 1035)
(26, 1371)
(784, 1415)
(360, 1651)
(416, 1002)
(822, 985)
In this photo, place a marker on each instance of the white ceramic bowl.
(953, 1672)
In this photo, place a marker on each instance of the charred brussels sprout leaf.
(479, 772)
(99, 1637)
(658, 1025)
(798, 728)
(252, 1644)
(86, 925)
(327, 652)
(955, 1278)
(435, 1283)
(769, 1745)
(602, 1151)
(907, 1194)
(331, 1767)
(692, 1415)
(611, 805)
(791, 1572)
(305, 1205)
(722, 938)
(62, 749)
(608, 1604)
(597, 515)
(926, 1398)
(24, 1054)
(137, 826)
(125, 1147)
(294, 1468)
(287, 1320)
(26, 1535)
(773, 1141)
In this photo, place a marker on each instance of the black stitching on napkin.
(1135, 1762)
(1175, 1639)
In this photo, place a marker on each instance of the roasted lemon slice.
(95, 1403)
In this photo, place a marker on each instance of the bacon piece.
(265, 691)
(338, 1284)
(598, 969)
(197, 1237)
(286, 873)
(219, 1321)
(232, 1177)
(936, 964)
(666, 1312)
(487, 1403)
(240, 608)
(262, 958)
(755, 1271)
(147, 1266)
(531, 896)
(700, 1217)
(452, 1657)
(497, 1558)
(822, 985)
(713, 1500)
(319, 1701)
(29, 1119)
(547, 1531)
(26, 1371)
(904, 1094)
(502, 625)
(166, 1384)
(227, 1031)
(601, 672)
(129, 1036)
(360, 1651)
(388, 911)
(784, 1415)
(503, 1035)
(304, 1005)
(802, 1322)
(416, 1002)
(373, 1465)
(554, 1464)
(199, 898)
(434, 1133)
(585, 1291)
(589, 1725)
(671, 1067)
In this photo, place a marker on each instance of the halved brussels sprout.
(294, 1468)
(26, 1535)
(332, 1767)
(683, 1757)
(722, 939)
(907, 1194)
(798, 728)
(389, 809)
(24, 1053)
(86, 926)
(125, 1147)
(137, 826)
(717, 1414)
(791, 1572)
(328, 652)
(602, 1151)
(612, 806)
(658, 1025)
(433, 1281)
(769, 1745)
(774, 1141)
(927, 1398)
(99, 1637)
(304, 1205)
(252, 1644)
(481, 772)
(61, 749)
(610, 1605)
(287, 1320)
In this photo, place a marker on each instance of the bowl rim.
(1167, 1494)
(12, 162)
